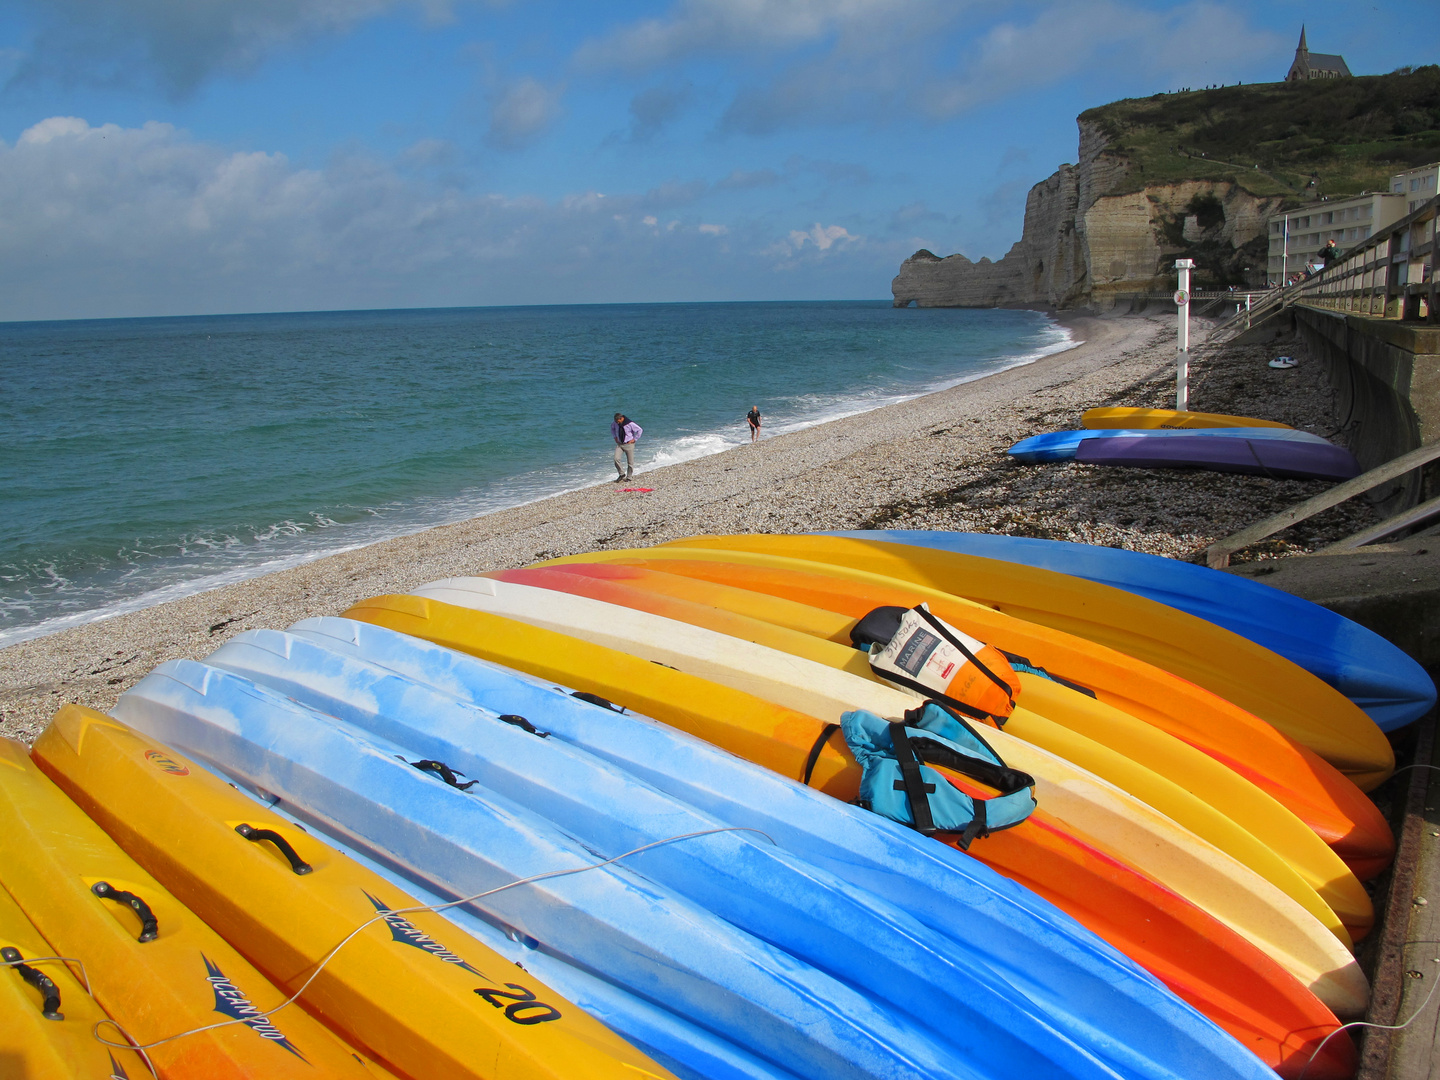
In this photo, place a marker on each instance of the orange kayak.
(1313, 790)
(1203, 961)
(1297, 703)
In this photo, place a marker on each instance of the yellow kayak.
(825, 689)
(1289, 697)
(1128, 418)
(421, 1009)
(153, 966)
(1206, 797)
(48, 1015)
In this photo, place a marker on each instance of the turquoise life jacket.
(896, 784)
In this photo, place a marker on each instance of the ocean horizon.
(152, 458)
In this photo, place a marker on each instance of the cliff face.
(1094, 230)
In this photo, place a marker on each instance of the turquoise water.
(146, 459)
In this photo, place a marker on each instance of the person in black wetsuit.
(753, 416)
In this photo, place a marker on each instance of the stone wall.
(1091, 234)
(1387, 379)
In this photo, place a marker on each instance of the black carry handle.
(149, 928)
(441, 771)
(596, 699)
(524, 725)
(255, 836)
(50, 1009)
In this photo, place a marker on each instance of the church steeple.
(1303, 47)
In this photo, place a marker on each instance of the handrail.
(1416, 515)
(1365, 274)
(1217, 555)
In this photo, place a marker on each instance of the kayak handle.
(39, 980)
(255, 836)
(149, 927)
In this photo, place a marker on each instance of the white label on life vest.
(924, 656)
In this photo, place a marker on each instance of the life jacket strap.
(940, 628)
(814, 755)
(911, 782)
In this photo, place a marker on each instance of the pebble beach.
(934, 462)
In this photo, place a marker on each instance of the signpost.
(1182, 355)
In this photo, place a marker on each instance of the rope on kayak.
(85, 984)
(1382, 1027)
(132, 1044)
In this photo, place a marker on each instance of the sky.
(174, 157)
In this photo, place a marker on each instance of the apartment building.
(1418, 186)
(1296, 236)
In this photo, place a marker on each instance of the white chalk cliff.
(1094, 231)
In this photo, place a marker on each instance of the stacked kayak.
(152, 966)
(858, 805)
(1237, 983)
(1378, 677)
(1275, 458)
(409, 988)
(1297, 704)
(1062, 445)
(1126, 417)
(779, 964)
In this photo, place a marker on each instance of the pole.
(1285, 254)
(1182, 352)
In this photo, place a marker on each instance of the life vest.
(915, 649)
(896, 784)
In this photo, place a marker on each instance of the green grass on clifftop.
(1330, 137)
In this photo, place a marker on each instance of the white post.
(1285, 254)
(1182, 355)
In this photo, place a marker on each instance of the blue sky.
(163, 157)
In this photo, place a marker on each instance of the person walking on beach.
(753, 416)
(625, 431)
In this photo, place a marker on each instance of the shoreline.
(900, 465)
(564, 478)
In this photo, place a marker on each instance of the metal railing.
(1390, 275)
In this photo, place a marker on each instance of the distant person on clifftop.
(753, 417)
(625, 432)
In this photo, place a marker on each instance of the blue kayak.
(608, 919)
(687, 1050)
(1097, 995)
(742, 877)
(1061, 445)
(1378, 677)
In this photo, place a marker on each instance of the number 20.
(523, 1008)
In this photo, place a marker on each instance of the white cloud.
(522, 110)
(822, 236)
(180, 43)
(101, 221)
(720, 26)
(813, 62)
(1179, 45)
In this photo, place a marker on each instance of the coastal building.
(1418, 186)
(1297, 235)
(1308, 65)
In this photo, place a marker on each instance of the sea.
(142, 460)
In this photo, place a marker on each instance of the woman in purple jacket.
(625, 431)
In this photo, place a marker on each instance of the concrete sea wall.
(1387, 377)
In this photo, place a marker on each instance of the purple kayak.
(1260, 457)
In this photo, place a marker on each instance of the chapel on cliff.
(1308, 65)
